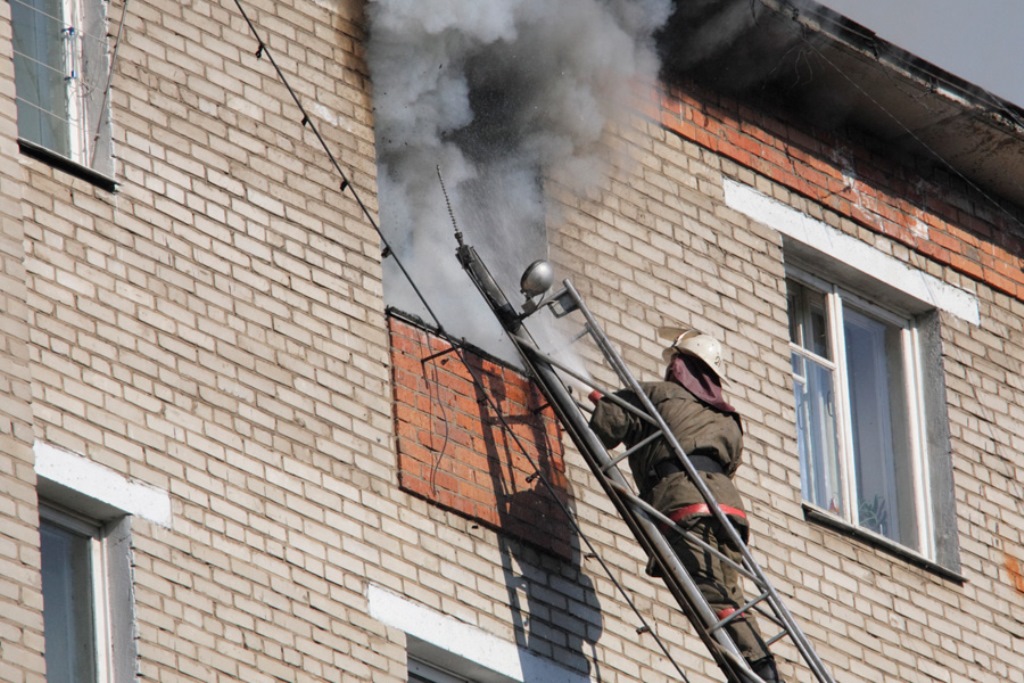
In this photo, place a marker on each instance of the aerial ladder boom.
(554, 379)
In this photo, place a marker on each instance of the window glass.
(68, 604)
(879, 418)
(41, 67)
(816, 438)
(808, 325)
(814, 392)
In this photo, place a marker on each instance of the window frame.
(112, 595)
(838, 297)
(85, 115)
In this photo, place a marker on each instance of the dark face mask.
(695, 376)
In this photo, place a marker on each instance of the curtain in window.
(878, 407)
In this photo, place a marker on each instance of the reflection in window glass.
(814, 390)
(881, 438)
(816, 434)
(68, 604)
(42, 63)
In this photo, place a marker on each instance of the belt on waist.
(703, 463)
(702, 509)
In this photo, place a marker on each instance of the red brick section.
(969, 234)
(454, 448)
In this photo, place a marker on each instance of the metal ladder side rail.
(629, 494)
(720, 645)
(708, 625)
(672, 528)
(527, 344)
(793, 630)
(652, 512)
(750, 605)
(777, 612)
(661, 430)
(590, 447)
(677, 579)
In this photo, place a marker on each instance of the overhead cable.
(307, 121)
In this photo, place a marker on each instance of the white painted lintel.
(852, 252)
(101, 483)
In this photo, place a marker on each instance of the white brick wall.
(21, 627)
(215, 329)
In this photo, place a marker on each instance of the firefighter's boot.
(765, 668)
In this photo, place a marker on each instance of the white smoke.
(499, 96)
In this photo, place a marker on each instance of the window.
(869, 330)
(84, 624)
(861, 412)
(61, 73)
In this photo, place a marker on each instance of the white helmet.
(694, 343)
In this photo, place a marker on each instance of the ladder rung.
(740, 613)
(625, 454)
(776, 638)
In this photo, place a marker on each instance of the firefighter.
(708, 429)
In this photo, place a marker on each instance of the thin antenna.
(448, 203)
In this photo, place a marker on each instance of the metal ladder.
(645, 522)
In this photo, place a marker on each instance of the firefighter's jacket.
(699, 429)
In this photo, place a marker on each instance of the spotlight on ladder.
(537, 279)
(535, 282)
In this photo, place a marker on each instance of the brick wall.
(970, 232)
(475, 436)
(21, 601)
(214, 328)
(658, 244)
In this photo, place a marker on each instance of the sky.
(977, 40)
